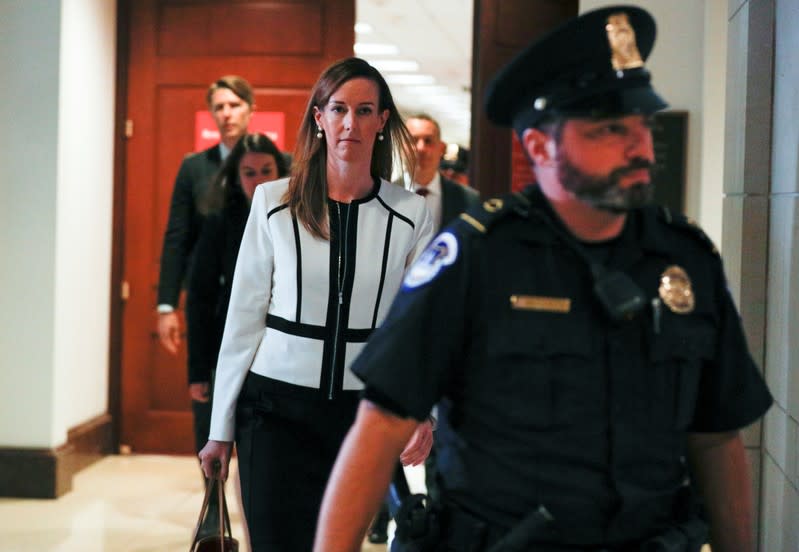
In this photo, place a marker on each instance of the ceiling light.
(363, 28)
(374, 48)
(389, 65)
(408, 78)
(428, 90)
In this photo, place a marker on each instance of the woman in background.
(253, 160)
(323, 254)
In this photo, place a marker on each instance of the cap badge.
(675, 290)
(621, 36)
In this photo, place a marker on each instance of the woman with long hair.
(226, 204)
(323, 254)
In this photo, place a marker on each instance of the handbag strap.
(209, 486)
(224, 518)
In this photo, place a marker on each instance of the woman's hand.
(419, 445)
(215, 456)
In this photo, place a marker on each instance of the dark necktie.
(422, 191)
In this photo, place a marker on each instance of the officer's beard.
(605, 192)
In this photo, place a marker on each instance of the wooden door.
(176, 49)
(502, 28)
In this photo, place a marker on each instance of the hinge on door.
(124, 290)
(129, 128)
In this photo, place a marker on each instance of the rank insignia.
(675, 290)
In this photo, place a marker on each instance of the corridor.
(135, 503)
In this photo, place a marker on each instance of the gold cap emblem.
(621, 36)
(675, 290)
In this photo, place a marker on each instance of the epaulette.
(480, 218)
(680, 221)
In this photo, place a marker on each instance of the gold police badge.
(675, 290)
(621, 36)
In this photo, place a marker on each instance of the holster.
(688, 536)
(426, 526)
(418, 525)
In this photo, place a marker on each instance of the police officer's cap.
(591, 66)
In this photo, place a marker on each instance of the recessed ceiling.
(435, 38)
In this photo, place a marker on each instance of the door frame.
(118, 225)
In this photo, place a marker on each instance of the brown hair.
(236, 84)
(307, 190)
(225, 189)
(429, 118)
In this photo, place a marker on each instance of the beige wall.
(688, 71)
(56, 183)
(84, 213)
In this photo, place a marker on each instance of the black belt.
(465, 532)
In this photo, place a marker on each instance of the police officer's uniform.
(546, 399)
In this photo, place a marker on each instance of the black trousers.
(201, 413)
(287, 438)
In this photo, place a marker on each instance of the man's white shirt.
(433, 197)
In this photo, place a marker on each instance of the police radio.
(620, 297)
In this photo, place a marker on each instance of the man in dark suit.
(445, 198)
(231, 102)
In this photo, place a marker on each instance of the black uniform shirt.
(544, 399)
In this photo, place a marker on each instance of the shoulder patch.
(690, 225)
(480, 218)
(441, 252)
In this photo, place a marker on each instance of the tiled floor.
(134, 503)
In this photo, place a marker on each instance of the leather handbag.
(223, 540)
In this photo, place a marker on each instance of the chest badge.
(675, 290)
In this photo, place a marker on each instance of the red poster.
(271, 123)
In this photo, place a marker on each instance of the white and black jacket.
(301, 308)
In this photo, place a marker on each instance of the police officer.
(591, 366)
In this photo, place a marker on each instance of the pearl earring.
(319, 132)
(380, 136)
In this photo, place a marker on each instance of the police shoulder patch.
(442, 252)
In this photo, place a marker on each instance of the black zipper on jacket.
(343, 245)
(341, 272)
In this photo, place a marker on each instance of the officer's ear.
(540, 146)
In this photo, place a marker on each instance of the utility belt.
(423, 526)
